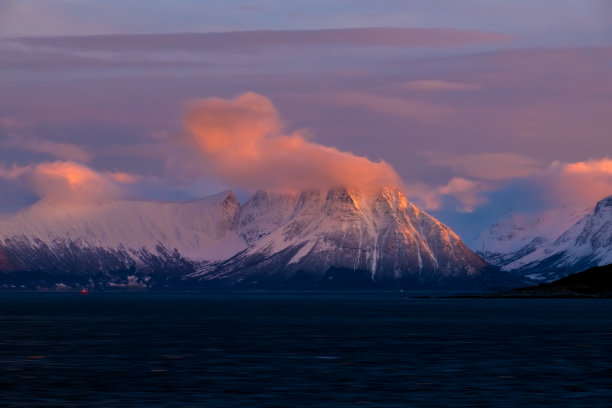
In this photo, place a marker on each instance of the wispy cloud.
(44, 60)
(458, 194)
(241, 41)
(487, 166)
(468, 193)
(60, 150)
(422, 111)
(9, 123)
(437, 85)
(13, 172)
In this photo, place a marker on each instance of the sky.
(474, 108)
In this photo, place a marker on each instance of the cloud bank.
(579, 184)
(243, 139)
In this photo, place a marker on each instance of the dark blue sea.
(302, 350)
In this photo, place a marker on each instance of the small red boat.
(84, 291)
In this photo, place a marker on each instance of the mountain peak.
(603, 204)
(378, 233)
(341, 196)
(223, 197)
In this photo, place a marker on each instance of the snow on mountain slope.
(263, 213)
(376, 238)
(518, 237)
(200, 230)
(381, 233)
(594, 240)
(552, 244)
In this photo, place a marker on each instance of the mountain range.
(335, 239)
(330, 239)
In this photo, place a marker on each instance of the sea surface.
(302, 350)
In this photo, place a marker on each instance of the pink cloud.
(583, 182)
(243, 138)
(438, 85)
(467, 192)
(124, 178)
(68, 183)
(414, 109)
(556, 106)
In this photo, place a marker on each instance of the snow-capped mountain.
(336, 238)
(118, 239)
(315, 237)
(200, 229)
(552, 244)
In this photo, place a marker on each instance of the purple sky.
(481, 107)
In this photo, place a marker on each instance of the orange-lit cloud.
(583, 182)
(243, 138)
(69, 182)
(124, 178)
(66, 182)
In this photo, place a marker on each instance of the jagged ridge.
(303, 239)
(380, 234)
